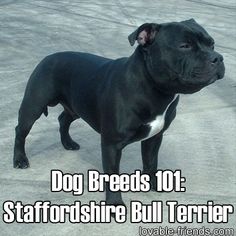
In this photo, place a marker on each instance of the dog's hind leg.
(29, 112)
(34, 103)
(65, 119)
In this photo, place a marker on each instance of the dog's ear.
(145, 34)
(189, 22)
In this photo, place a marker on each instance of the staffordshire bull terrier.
(125, 100)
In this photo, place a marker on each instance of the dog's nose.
(216, 58)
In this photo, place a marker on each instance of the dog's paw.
(21, 162)
(70, 145)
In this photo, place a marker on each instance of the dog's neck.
(140, 74)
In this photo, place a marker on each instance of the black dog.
(125, 100)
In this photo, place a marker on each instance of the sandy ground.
(200, 142)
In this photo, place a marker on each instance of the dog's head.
(179, 56)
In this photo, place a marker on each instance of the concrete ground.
(200, 142)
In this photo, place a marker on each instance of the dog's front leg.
(111, 156)
(150, 148)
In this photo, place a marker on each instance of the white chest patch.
(158, 123)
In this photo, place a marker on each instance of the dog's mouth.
(194, 80)
(194, 84)
(199, 78)
(202, 81)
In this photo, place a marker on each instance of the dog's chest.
(155, 126)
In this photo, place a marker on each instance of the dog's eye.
(185, 46)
